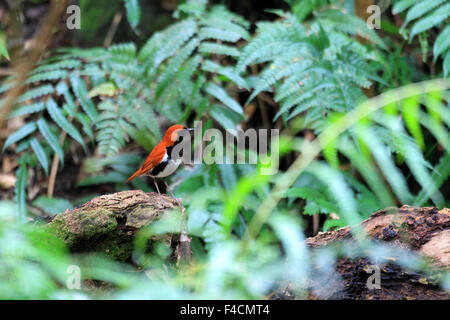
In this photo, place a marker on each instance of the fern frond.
(218, 34)
(24, 131)
(170, 41)
(402, 5)
(221, 95)
(312, 74)
(80, 90)
(433, 19)
(215, 48)
(48, 75)
(63, 64)
(27, 109)
(110, 137)
(421, 8)
(223, 23)
(36, 93)
(51, 139)
(62, 122)
(40, 154)
(229, 72)
(349, 24)
(442, 43)
(174, 65)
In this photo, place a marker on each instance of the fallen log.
(108, 224)
(425, 231)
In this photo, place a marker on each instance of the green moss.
(118, 246)
(75, 226)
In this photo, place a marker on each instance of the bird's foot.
(164, 202)
(179, 201)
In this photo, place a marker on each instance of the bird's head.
(173, 133)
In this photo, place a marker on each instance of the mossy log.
(108, 224)
(425, 231)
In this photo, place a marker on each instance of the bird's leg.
(171, 193)
(157, 189)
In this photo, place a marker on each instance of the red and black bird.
(160, 162)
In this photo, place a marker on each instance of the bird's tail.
(134, 175)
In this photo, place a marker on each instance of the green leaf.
(20, 134)
(36, 92)
(59, 118)
(420, 9)
(221, 95)
(47, 75)
(440, 175)
(402, 6)
(27, 109)
(218, 34)
(64, 90)
(330, 153)
(51, 138)
(446, 64)
(85, 122)
(340, 190)
(410, 110)
(40, 154)
(362, 161)
(227, 118)
(52, 206)
(105, 89)
(312, 195)
(80, 90)
(442, 43)
(215, 48)
(3, 47)
(385, 162)
(228, 176)
(133, 12)
(174, 65)
(431, 20)
(230, 73)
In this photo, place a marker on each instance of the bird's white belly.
(171, 167)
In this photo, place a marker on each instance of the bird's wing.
(153, 159)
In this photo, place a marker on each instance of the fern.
(314, 69)
(110, 95)
(383, 135)
(188, 56)
(378, 159)
(421, 18)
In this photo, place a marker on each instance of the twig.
(261, 105)
(112, 29)
(315, 223)
(54, 169)
(24, 65)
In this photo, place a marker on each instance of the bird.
(161, 163)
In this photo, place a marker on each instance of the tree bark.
(109, 223)
(425, 231)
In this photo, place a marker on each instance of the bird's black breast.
(159, 168)
(163, 164)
